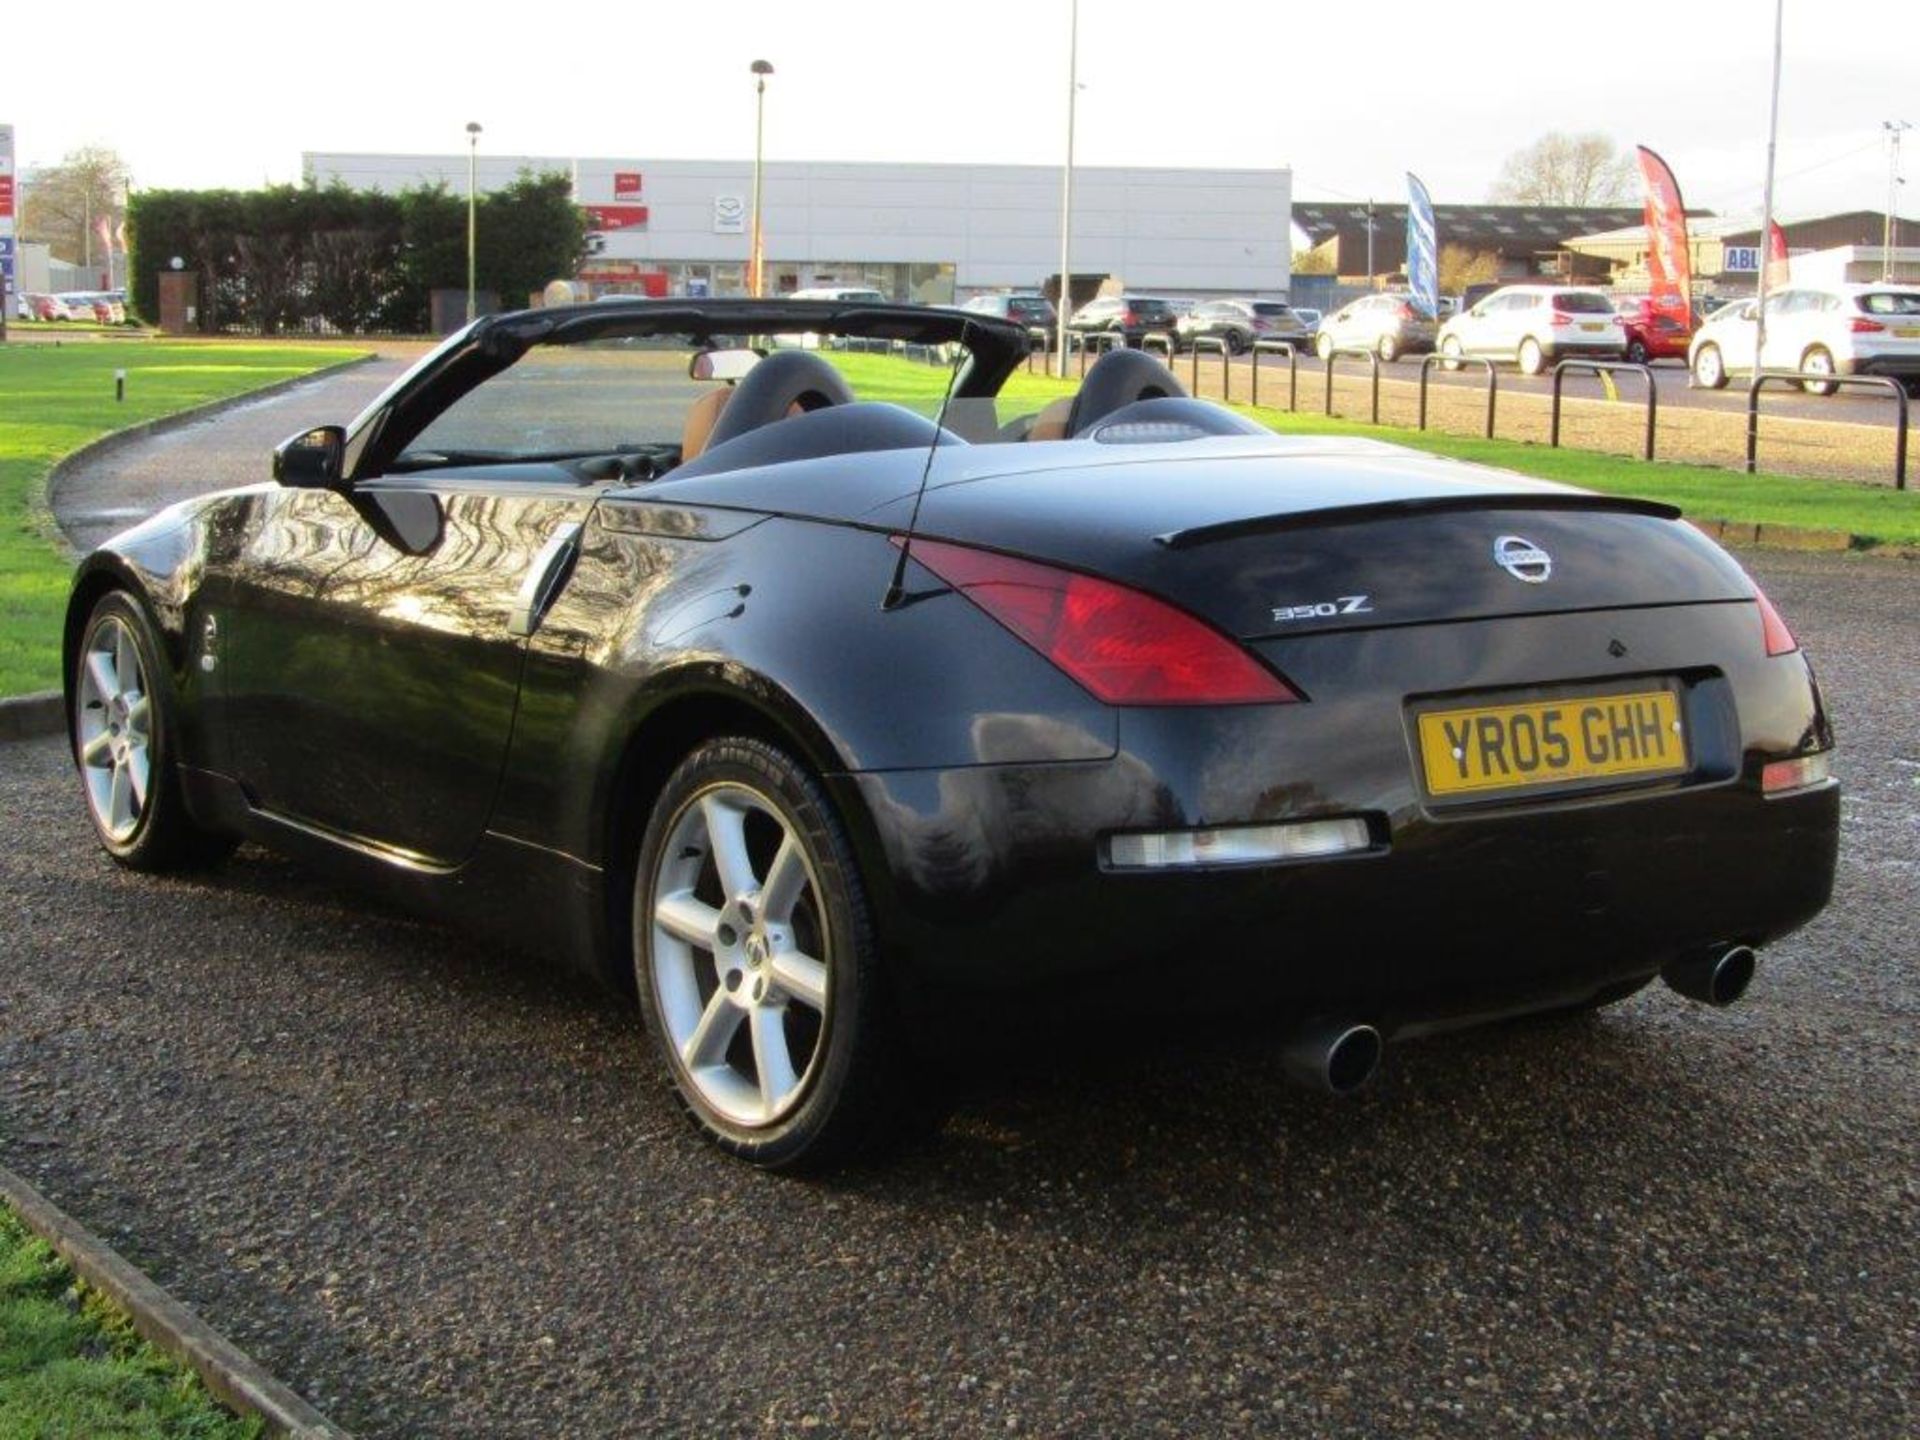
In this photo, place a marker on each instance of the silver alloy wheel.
(740, 944)
(1531, 359)
(113, 731)
(1707, 367)
(1817, 362)
(1451, 351)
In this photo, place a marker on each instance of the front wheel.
(1817, 361)
(1709, 370)
(1388, 349)
(756, 962)
(1450, 353)
(1532, 359)
(1323, 347)
(1637, 351)
(124, 724)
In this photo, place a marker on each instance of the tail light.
(1863, 326)
(1773, 629)
(1406, 312)
(1559, 317)
(1127, 318)
(1124, 647)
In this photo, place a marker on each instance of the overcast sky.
(197, 93)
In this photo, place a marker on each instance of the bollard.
(120, 385)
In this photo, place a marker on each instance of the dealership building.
(932, 233)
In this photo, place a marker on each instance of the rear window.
(1583, 302)
(1269, 307)
(1891, 302)
(1147, 305)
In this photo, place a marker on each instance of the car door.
(370, 636)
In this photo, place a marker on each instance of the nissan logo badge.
(1522, 559)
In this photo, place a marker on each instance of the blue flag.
(1423, 248)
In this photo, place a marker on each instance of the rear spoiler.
(1428, 505)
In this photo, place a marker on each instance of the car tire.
(1530, 357)
(1388, 349)
(1637, 352)
(1709, 369)
(757, 966)
(1236, 343)
(1450, 353)
(122, 729)
(1818, 361)
(1323, 346)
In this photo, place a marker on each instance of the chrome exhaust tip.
(1335, 1057)
(1718, 975)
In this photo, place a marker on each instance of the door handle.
(545, 576)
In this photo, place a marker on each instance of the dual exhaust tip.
(1338, 1057)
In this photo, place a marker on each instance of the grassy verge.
(53, 400)
(71, 1364)
(1878, 515)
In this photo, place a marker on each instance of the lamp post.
(756, 255)
(473, 157)
(1766, 199)
(1893, 129)
(1066, 194)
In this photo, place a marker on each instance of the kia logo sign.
(1522, 559)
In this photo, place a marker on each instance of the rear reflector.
(1779, 777)
(1773, 629)
(1238, 844)
(1125, 647)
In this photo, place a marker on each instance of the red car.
(1650, 334)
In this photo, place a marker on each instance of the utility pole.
(473, 213)
(757, 244)
(1369, 246)
(1893, 129)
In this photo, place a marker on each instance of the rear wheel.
(1817, 361)
(756, 962)
(1637, 350)
(1531, 358)
(1709, 370)
(124, 724)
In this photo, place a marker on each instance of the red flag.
(1669, 262)
(1776, 256)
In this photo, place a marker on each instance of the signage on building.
(729, 215)
(626, 184)
(1741, 260)
(6, 208)
(617, 217)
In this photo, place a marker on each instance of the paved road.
(98, 499)
(444, 1196)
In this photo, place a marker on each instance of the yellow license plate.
(1906, 332)
(1592, 325)
(1551, 742)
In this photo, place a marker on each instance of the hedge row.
(299, 259)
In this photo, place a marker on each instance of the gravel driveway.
(442, 1194)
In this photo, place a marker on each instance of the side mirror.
(311, 460)
(726, 365)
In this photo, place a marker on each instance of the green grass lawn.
(1877, 513)
(54, 399)
(72, 1366)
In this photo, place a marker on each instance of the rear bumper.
(1903, 367)
(991, 878)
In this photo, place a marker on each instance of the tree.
(1461, 267)
(1561, 169)
(1317, 261)
(64, 205)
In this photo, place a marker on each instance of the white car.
(1815, 330)
(1536, 325)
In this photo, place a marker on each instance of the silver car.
(1388, 324)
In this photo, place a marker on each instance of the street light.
(1066, 192)
(473, 156)
(760, 70)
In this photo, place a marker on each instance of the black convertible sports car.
(764, 656)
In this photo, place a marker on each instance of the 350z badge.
(1324, 609)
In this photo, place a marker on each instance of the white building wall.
(1181, 231)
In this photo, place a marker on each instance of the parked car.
(1310, 318)
(1652, 333)
(1132, 317)
(1388, 324)
(87, 305)
(1036, 312)
(49, 307)
(1855, 329)
(1239, 323)
(831, 733)
(1534, 326)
